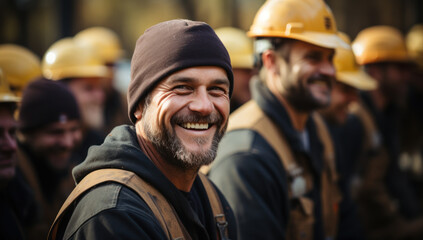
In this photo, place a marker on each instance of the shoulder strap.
(331, 195)
(216, 205)
(252, 117)
(162, 210)
(370, 129)
(325, 137)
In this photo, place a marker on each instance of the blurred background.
(36, 24)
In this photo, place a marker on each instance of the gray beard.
(173, 151)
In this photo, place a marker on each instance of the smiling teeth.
(195, 125)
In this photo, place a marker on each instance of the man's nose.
(9, 143)
(67, 140)
(327, 68)
(99, 94)
(201, 103)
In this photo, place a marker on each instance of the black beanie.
(45, 101)
(171, 46)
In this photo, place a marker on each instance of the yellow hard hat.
(239, 46)
(6, 95)
(414, 43)
(310, 21)
(380, 44)
(19, 65)
(104, 40)
(348, 71)
(68, 59)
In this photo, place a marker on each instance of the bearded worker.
(149, 185)
(276, 163)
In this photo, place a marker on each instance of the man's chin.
(194, 159)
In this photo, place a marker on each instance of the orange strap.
(371, 131)
(216, 205)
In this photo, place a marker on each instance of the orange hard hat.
(68, 59)
(105, 41)
(348, 71)
(239, 46)
(414, 43)
(19, 65)
(380, 44)
(310, 21)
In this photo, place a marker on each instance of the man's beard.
(301, 98)
(172, 149)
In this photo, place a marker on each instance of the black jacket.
(251, 176)
(18, 209)
(114, 211)
(397, 182)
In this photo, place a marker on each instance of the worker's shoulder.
(245, 149)
(242, 141)
(111, 199)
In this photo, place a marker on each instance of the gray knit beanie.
(171, 46)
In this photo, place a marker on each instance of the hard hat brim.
(326, 40)
(77, 72)
(322, 39)
(357, 79)
(7, 97)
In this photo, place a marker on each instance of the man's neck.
(298, 119)
(183, 179)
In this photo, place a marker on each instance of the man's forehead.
(199, 74)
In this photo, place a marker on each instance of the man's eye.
(219, 90)
(314, 57)
(181, 89)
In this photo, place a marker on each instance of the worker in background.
(81, 68)
(411, 158)
(387, 201)
(240, 48)
(276, 163)
(49, 132)
(350, 79)
(107, 45)
(17, 205)
(20, 66)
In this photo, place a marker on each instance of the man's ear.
(138, 112)
(269, 58)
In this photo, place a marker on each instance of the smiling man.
(276, 163)
(49, 132)
(146, 176)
